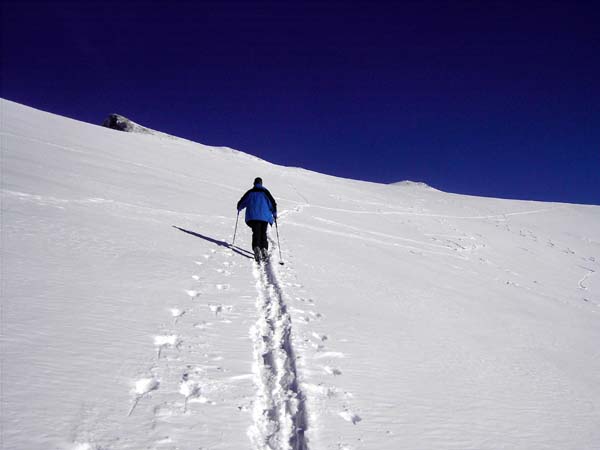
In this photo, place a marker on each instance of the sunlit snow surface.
(403, 318)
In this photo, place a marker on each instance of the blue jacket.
(259, 204)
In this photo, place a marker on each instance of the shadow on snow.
(240, 251)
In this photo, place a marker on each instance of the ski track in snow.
(279, 408)
(379, 241)
(280, 418)
(501, 216)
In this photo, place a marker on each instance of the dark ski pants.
(259, 233)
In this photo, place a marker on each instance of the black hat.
(257, 180)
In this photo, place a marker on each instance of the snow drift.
(404, 317)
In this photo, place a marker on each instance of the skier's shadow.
(240, 251)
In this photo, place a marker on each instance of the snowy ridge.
(279, 412)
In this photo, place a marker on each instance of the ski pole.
(235, 232)
(278, 244)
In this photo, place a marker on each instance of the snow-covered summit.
(403, 319)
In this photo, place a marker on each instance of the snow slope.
(403, 318)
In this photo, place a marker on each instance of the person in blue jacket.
(261, 210)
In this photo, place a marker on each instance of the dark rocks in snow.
(118, 122)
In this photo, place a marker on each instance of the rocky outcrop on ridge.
(121, 123)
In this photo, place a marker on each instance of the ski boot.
(257, 254)
(264, 254)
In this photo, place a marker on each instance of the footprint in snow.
(166, 341)
(142, 387)
(216, 309)
(224, 272)
(349, 416)
(316, 315)
(190, 389)
(332, 371)
(321, 337)
(177, 313)
(145, 385)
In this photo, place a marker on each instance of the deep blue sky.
(486, 98)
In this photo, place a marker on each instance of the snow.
(404, 317)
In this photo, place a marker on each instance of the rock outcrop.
(118, 122)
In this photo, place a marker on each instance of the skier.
(261, 210)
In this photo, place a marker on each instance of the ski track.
(379, 241)
(46, 200)
(280, 418)
(501, 216)
(383, 235)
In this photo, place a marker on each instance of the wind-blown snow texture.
(403, 318)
